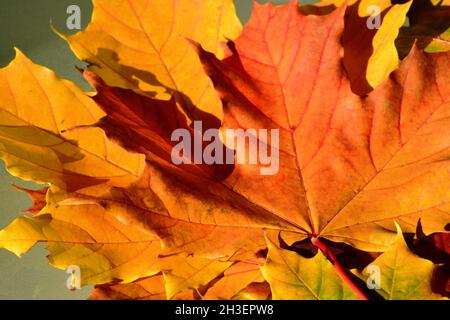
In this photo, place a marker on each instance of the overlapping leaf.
(380, 32)
(370, 55)
(294, 277)
(349, 166)
(144, 46)
(235, 279)
(39, 112)
(404, 276)
(429, 26)
(363, 161)
(154, 288)
(104, 248)
(151, 288)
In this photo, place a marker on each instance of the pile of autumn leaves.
(364, 151)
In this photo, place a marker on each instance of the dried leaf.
(190, 272)
(429, 27)
(102, 247)
(144, 46)
(404, 276)
(370, 55)
(235, 279)
(38, 135)
(296, 278)
(363, 161)
(344, 168)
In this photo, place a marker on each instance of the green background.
(25, 24)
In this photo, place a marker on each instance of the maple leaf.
(235, 280)
(254, 291)
(435, 247)
(369, 229)
(151, 288)
(294, 277)
(191, 272)
(354, 157)
(145, 47)
(225, 287)
(37, 112)
(82, 234)
(374, 49)
(429, 27)
(376, 38)
(349, 166)
(398, 279)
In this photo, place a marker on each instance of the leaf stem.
(339, 268)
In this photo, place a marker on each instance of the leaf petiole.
(339, 268)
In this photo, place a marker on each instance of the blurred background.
(25, 24)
